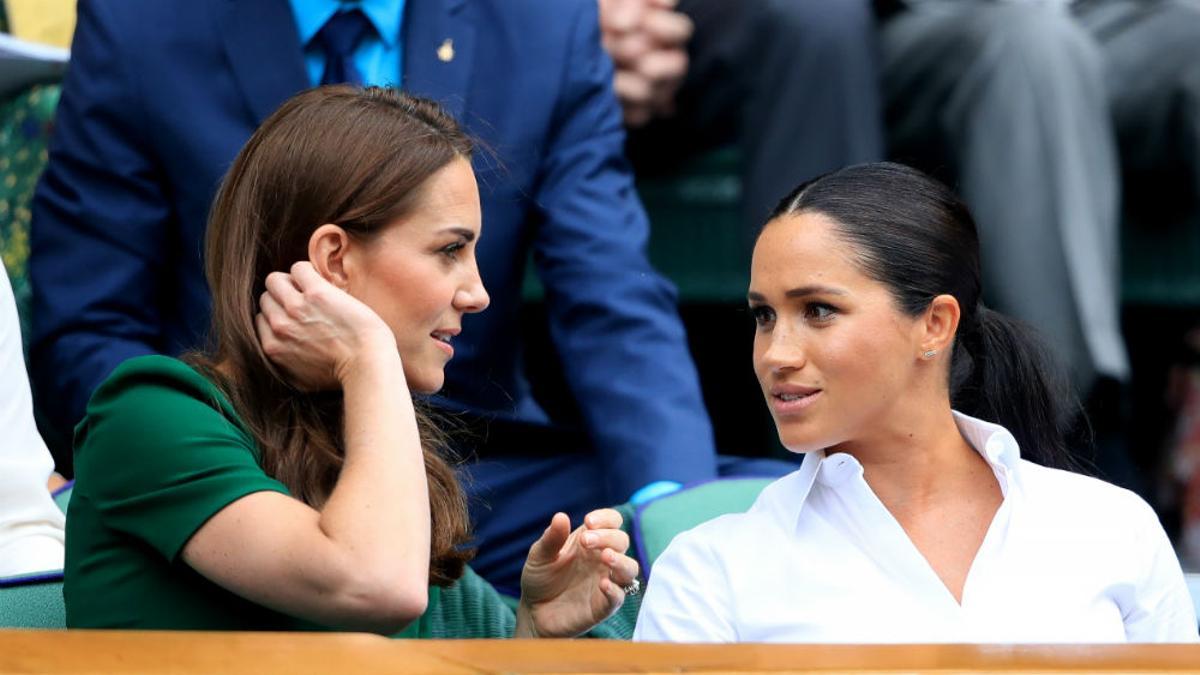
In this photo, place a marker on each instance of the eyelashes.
(813, 312)
(453, 250)
(762, 314)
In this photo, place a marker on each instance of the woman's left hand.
(573, 579)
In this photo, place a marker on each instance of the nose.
(779, 351)
(472, 297)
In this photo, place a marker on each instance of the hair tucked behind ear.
(358, 158)
(913, 235)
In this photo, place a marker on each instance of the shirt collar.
(385, 15)
(992, 441)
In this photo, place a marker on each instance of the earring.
(930, 354)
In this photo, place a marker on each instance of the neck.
(918, 458)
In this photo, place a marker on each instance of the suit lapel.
(264, 52)
(439, 46)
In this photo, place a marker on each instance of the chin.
(801, 443)
(426, 381)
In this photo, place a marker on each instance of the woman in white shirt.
(31, 526)
(908, 521)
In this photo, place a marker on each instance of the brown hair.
(345, 155)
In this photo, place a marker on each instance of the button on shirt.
(818, 558)
(378, 57)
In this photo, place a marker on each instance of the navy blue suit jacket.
(159, 97)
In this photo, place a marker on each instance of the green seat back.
(659, 520)
(35, 600)
(62, 496)
(697, 237)
(32, 601)
(1160, 263)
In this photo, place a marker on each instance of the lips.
(443, 336)
(790, 399)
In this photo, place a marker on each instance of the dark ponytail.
(1002, 371)
(913, 235)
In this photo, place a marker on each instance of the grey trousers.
(794, 83)
(1034, 112)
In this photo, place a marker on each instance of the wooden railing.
(78, 651)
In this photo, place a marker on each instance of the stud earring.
(930, 354)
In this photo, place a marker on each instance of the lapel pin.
(445, 53)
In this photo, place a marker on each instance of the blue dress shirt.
(378, 57)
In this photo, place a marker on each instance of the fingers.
(627, 50)
(621, 15)
(613, 593)
(664, 69)
(547, 547)
(598, 540)
(668, 28)
(622, 568)
(305, 276)
(281, 287)
(603, 519)
(271, 345)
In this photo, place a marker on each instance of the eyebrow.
(463, 232)
(799, 292)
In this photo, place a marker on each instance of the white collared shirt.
(818, 558)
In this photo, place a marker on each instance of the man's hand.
(647, 40)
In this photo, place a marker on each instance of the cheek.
(413, 295)
(870, 362)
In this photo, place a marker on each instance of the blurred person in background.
(793, 83)
(1053, 118)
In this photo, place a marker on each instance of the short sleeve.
(1161, 608)
(158, 454)
(687, 596)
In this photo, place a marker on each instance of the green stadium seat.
(659, 520)
(62, 496)
(32, 601)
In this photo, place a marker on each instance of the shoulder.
(152, 401)
(1064, 498)
(154, 379)
(150, 20)
(130, 10)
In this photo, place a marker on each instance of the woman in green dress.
(283, 477)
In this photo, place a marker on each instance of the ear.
(327, 250)
(939, 325)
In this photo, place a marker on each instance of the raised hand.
(317, 333)
(573, 579)
(647, 40)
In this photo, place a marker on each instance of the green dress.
(161, 451)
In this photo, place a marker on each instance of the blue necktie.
(339, 37)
